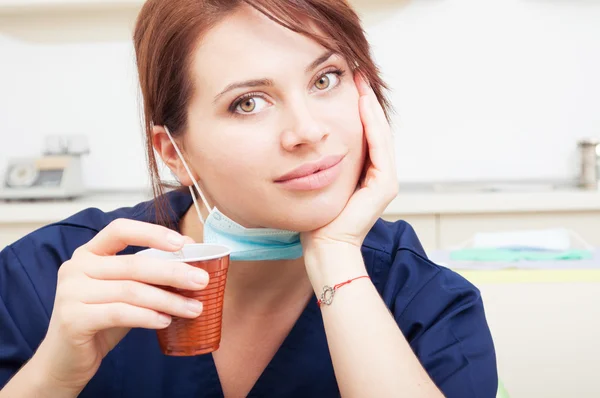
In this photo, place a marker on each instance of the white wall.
(492, 88)
(483, 89)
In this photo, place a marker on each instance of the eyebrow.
(247, 83)
(319, 61)
(269, 82)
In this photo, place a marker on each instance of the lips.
(310, 168)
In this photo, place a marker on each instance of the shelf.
(110, 20)
(48, 211)
(69, 21)
(423, 203)
(27, 7)
(24, 7)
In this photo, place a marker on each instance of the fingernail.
(175, 239)
(362, 78)
(188, 239)
(194, 306)
(164, 319)
(199, 277)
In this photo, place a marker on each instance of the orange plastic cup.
(201, 335)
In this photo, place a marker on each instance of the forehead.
(248, 45)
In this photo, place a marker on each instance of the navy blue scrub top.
(439, 312)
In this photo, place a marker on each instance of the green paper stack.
(514, 255)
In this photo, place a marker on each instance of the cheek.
(347, 132)
(230, 156)
(344, 116)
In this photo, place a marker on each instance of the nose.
(303, 128)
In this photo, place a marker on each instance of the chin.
(310, 222)
(308, 215)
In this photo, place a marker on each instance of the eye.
(250, 105)
(327, 81)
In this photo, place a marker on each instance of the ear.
(165, 149)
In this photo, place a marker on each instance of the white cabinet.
(444, 231)
(17, 219)
(546, 336)
(455, 229)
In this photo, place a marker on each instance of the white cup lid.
(189, 253)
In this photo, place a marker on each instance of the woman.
(274, 112)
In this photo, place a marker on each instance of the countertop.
(413, 199)
(47, 211)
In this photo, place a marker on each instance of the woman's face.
(268, 101)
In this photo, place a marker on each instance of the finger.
(365, 89)
(374, 131)
(142, 295)
(121, 233)
(382, 120)
(361, 84)
(378, 135)
(374, 122)
(97, 317)
(382, 176)
(148, 270)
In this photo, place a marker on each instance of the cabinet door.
(546, 337)
(457, 228)
(10, 233)
(424, 225)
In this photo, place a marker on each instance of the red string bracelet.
(328, 291)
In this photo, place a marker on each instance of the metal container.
(589, 154)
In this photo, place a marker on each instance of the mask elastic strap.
(196, 204)
(192, 177)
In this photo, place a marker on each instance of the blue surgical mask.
(246, 244)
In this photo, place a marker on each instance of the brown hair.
(167, 31)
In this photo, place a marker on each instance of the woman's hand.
(100, 296)
(375, 191)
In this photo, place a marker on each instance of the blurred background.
(497, 116)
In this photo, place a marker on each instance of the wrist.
(40, 371)
(33, 380)
(329, 264)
